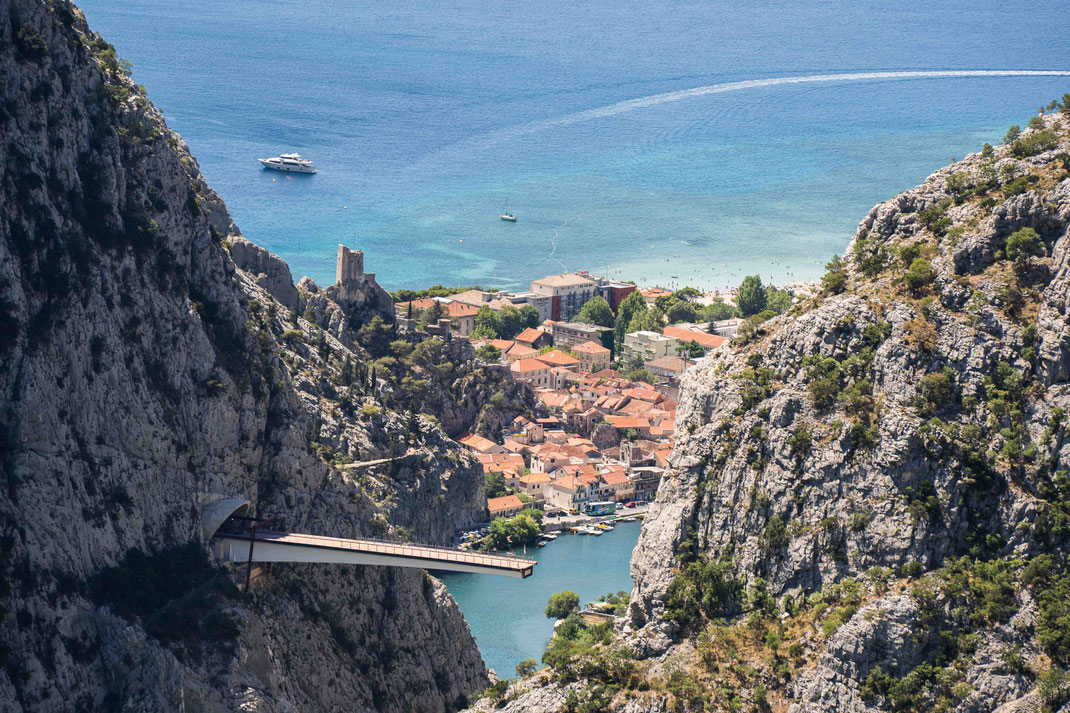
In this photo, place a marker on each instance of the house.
(626, 423)
(505, 506)
(646, 482)
(615, 485)
(571, 334)
(669, 367)
(570, 293)
(651, 294)
(533, 371)
(560, 358)
(462, 317)
(534, 338)
(511, 350)
(567, 492)
(644, 346)
(707, 341)
(592, 356)
(532, 484)
(479, 444)
(727, 327)
(502, 463)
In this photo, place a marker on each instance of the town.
(604, 360)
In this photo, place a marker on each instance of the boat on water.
(506, 215)
(604, 526)
(548, 536)
(289, 162)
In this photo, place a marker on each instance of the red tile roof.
(707, 341)
(502, 504)
(525, 366)
(590, 348)
(558, 358)
(529, 335)
(477, 443)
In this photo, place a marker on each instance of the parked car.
(631, 504)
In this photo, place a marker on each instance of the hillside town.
(604, 360)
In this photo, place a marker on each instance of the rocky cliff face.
(867, 507)
(141, 373)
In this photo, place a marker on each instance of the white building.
(645, 346)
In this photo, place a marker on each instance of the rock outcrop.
(149, 358)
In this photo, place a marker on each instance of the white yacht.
(289, 162)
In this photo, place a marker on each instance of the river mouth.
(506, 616)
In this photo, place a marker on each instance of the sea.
(668, 142)
(507, 616)
(649, 141)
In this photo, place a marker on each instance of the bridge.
(239, 538)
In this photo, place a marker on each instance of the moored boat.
(288, 162)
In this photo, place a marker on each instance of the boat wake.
(493, 138)
(553, 242)
(655, 99)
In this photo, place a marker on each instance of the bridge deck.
(294, 547)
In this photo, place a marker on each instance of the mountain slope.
(142, 374)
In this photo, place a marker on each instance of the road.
(561, 523)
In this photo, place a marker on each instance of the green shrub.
(919, 276)
(835, 280)
(1035, 143)
(561, 604)
(702, 588)
(1023, 243)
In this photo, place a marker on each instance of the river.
(506, 615)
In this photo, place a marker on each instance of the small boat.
(548, 536)
(595, 531)
(542, 544)
(289, 162)
(506, 215)
(583, 531)
(604, 526)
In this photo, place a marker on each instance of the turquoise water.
(506, 615)
(425, 117)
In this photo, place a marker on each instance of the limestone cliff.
(141, 372)
(868, 503)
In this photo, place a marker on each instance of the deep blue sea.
(425, 118)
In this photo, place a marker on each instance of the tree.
(633, 303)
(1012, 133)
(686, 293)
(510, 322)
(487, 324)
(920, 274)
(526, 667)
(1065, 109)
(494, 484)
(717, 311)
(432, 314)
(835, 280)
(647, 321)
(690, 350)
(1022, 244)
(489, 353)
(375, 336)
(680, 311)
(777, 300)
(596, 311)
(529, 317)
(751, 298)
(562, 604)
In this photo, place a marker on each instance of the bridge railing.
(267, 535)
